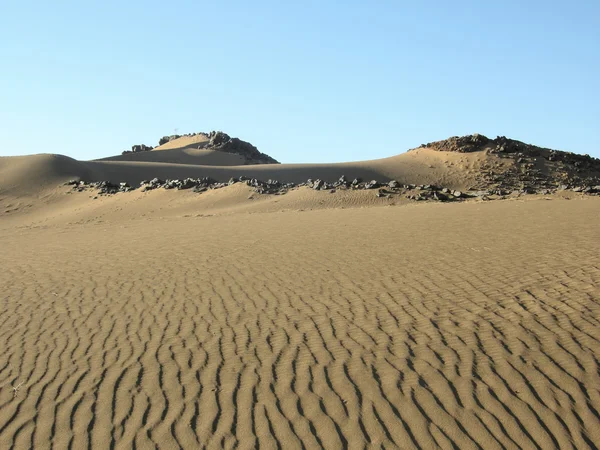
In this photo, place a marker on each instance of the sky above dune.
(310, 81)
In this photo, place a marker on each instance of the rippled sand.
(451, 326)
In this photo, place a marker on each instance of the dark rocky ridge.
(389, 189)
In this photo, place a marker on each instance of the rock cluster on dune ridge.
(219, 141)
(138, 148)
(222, 142)
(531, 170)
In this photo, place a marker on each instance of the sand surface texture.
(427, 326)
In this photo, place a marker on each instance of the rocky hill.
(529, 168)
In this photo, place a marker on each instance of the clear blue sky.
(306, 81)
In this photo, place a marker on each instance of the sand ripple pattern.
(432, 327)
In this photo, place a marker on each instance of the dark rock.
(188, 183)
(439, 196)
(140, 148)
(165, 139)
(218, 138)
(318, 184)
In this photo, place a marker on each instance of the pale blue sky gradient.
(307, 81)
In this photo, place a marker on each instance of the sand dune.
(420, 166)
(451, 326)
(173, 319)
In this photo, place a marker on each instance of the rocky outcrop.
(464, 144)
(138, 148)
(222, 142)
(531, 168)
(219, 141)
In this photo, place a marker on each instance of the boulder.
(218, 138)
(140, 148)
(188, 183)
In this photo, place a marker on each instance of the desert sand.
(171, 319)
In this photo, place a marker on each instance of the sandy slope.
(183, 156)
(470, 325)
(195, 141)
